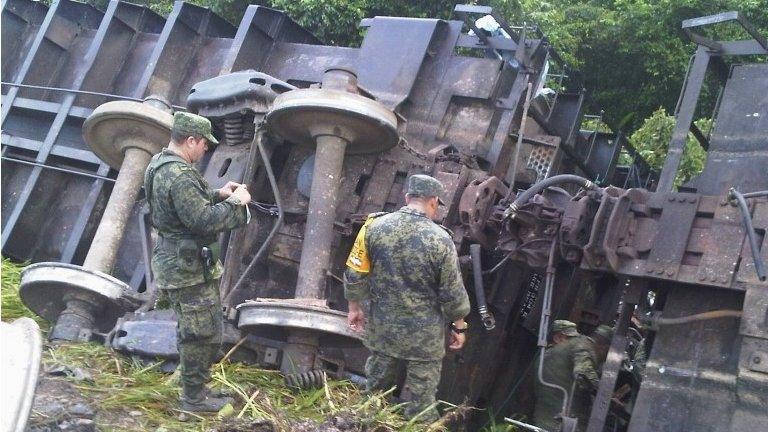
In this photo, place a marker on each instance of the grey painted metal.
(684, 117)
(19, 367)
(61, 115)
(97, 188)
(334, 118)
(29, 59)
(297, 314)
(300, 116)
(126, 134)
(103, 252)
(115, 127)
(81, 223)
(45, 289)
(97, 67)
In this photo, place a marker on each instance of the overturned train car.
(325, 135)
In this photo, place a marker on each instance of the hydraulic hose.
(751, 236)
(540, 186)
(489, 322)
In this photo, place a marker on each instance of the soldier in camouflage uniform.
(188, 216)
(570, 360)
(406, 266)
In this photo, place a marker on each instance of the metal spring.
(249, 128)
(306, 380)
(233, 130)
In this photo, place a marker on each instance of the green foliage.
(120, 385)
(12, 307)
(335, 22)
(651, 140)
(632, 54)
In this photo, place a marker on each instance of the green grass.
(121, 385)
(11, 306)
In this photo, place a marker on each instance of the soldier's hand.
(355, 316)
(227, 189)
(457, 341)
(242, 195)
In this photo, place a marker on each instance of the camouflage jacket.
(563, 363)
(414, 286)
(188, 215)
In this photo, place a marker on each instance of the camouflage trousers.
(200, 324)
(422, 378)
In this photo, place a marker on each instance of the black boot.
(197, 399)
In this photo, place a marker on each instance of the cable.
(66, 170)
(507, 257)
(85, 92)
(751, 235)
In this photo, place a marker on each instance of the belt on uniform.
(168, 243)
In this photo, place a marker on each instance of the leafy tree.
(632, 53)
(651, 140)
(336, 21)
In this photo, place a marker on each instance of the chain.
(403, 144)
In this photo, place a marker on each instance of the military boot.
(197, 399)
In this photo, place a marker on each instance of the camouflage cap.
(425, 186)
(604, 331)
(193, 124)
(565, 327)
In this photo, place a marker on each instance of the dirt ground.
(61, 404)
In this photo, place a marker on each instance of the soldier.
(407, 267)
(601, 341)
(571, 364)
(188, 216)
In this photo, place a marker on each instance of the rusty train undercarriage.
(325, 135)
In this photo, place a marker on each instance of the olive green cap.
(425, 186)
(193, 124)
(604, 331)
(565, 327)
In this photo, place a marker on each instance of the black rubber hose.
(552, 181)
(747, 219)
(477, 272)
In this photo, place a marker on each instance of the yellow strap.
(358, 259)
